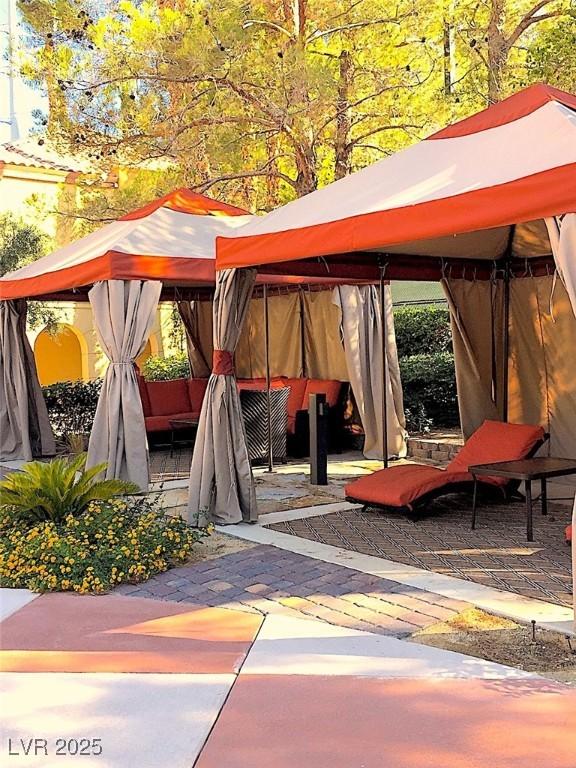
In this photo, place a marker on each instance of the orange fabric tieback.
(223, 363)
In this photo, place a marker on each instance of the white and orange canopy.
(171, 239)
(468, 195)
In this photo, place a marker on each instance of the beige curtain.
(362, 337)
(325, 358)
(189, 312)
(477, 319)
(221, 484)
(285, 338)
(25, 431)
(563, 241)
(124, 313)
(542, 369)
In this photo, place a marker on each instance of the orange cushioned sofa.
(163, 401)
(408, 486)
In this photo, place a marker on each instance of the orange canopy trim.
(514, 163)
(185, 201)
(485, 208)
(513, 108)
(113, 265)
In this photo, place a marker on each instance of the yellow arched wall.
(145, 354)
(59, 355)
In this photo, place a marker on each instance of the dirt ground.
(217, 545)
(488, 637)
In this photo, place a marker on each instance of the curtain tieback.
(223, 363)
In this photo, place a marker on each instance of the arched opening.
(58, 355)
(144, 355)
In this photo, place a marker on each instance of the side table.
(525, 470)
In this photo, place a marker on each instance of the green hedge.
(164, 368)
(429, 386)
(422, 330)
(72, 406)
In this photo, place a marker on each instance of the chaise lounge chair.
(411, 486)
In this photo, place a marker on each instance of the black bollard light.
(318, 415)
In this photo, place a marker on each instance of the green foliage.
(123, 540)
(164, 368)
(551, 55)
(264, 101)
(417, 421)
(54, 490)
(429, 387)
(20, 244)
(72, 406)
(422, 330)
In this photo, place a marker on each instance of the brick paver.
(495, 554)
(270, 580)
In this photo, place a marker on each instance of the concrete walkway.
(141, 682)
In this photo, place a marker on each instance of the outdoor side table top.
(179, 424)
(538, 468)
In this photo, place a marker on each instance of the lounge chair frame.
(509, 491)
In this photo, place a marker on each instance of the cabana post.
(384, 352)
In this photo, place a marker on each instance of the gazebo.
(162, 251)
(487, 206)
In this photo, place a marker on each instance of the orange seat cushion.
(329, 387)
(399, 486)
(296, 397)
(142, 388)
(568, 534)
(260, 384)
(496, 441)
(168, 397)
(162, 423)
(196, 392)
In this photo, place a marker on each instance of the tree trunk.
(342, 147)
(497, 51)
(307, 177)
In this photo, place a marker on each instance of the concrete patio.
(222, 687)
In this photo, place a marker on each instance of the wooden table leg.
(474, 499)
(529, 531)
(544, 496)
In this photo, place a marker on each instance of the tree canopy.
(260, 101)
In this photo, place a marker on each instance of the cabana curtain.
(25, 431)
(221, 483)
(477, 320)
(563, 240)
(189, 314)
(362, 337)
(124, 314)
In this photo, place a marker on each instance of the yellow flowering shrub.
(112, 542)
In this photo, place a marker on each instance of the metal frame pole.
(268, 392)
(384, 369)
(506, 351)
(302, 333)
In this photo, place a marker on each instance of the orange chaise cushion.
(496, 441)
(398, 486)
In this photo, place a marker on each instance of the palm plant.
(50, 491)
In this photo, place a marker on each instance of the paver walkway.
(230, 689)
(495, 554)
(271, 580)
